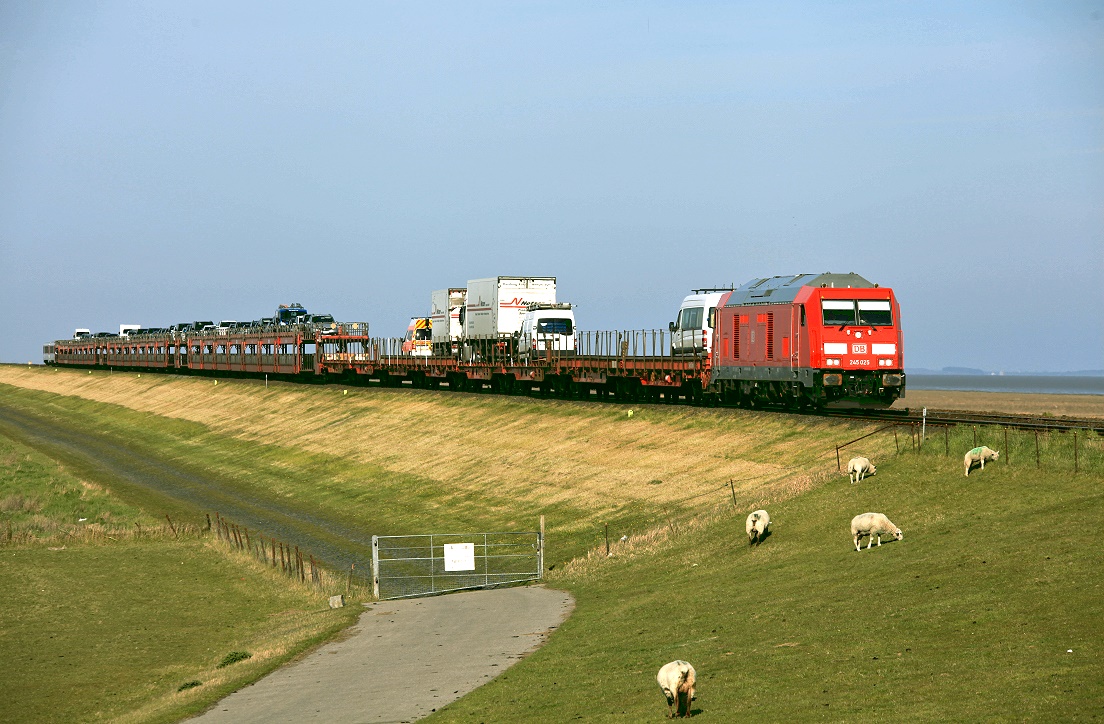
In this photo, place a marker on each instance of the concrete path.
(403, 660)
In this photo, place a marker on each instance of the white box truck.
(494, 310)
(446, 310)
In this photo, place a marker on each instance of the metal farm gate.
(405, 566)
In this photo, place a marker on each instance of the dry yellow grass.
(540, 451)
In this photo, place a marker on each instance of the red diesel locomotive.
(810, 339)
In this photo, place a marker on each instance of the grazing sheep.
(873, 524)
(979, 455)
(676, 679)
(756, 526)
(859, 468)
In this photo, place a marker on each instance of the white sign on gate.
(459, 556)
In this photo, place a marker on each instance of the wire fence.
(1080, 451)
(286, 558)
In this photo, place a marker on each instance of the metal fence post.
(375, 567)
(540, 550)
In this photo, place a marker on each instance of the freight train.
(802, 341)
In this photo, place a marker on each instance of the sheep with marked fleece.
(859, 468)
(756, 526)
(677, 680)
(980, 455)
(873, 525)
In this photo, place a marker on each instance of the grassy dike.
(105, 613)
(990, 609)
(971, 617)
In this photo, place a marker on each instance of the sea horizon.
(1053, 384)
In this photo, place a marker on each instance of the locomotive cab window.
(875, 312)
(838, 312)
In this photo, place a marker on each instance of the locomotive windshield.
(867, 312)
(875, 312)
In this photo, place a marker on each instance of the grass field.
(990, 609)
(406, 461)
(105, 613)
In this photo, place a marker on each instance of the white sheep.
(756, 526)
(873, 524)
(676, 679)
(979, 455)
(859, 468)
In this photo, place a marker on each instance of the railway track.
(952, 417)
(905, 416)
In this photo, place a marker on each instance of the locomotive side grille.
(736, 336)
(770, 335)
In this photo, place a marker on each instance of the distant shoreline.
(1036, 384)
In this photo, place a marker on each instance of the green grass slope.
(105, 614)
(990, 609)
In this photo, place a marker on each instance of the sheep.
(756, 526)
(979, 455)
(859, 468)
(676, 680)
(873, 524)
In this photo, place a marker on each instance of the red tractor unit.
(822, 340)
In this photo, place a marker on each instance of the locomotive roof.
(779, 290)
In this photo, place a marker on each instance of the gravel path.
(403, 660)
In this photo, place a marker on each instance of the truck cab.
(418, 341)
(293, 313)
(546, 327)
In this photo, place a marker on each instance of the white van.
(546, 327)
(692, 333)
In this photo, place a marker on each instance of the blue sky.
(166, 162)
